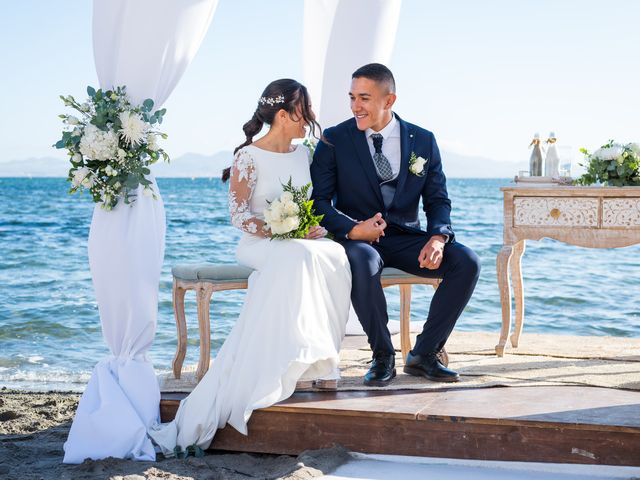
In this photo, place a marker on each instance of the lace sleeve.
(243, 182)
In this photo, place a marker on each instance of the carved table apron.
(595, 217)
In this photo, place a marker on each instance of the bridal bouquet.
(111, 145)
(612, 164)
(292, 215)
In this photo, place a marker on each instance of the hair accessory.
(271, 100)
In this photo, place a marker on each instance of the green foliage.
(613, 164)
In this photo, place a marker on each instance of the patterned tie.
(379, 160)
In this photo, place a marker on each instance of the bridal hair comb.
(271, 100)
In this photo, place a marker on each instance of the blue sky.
(483, 76)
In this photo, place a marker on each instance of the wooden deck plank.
(546, 424)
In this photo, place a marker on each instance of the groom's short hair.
(378, 73)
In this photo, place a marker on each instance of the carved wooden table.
(596, 217)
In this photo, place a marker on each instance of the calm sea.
(50, 334)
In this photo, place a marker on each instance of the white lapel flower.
(417, 164)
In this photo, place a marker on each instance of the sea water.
(50, 335)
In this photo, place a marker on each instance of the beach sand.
(34, 426)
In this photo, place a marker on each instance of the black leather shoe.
(382, 371)
(443, 357)
(429, 366)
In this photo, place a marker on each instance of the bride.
(297, 304)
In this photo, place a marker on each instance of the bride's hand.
(316, 232)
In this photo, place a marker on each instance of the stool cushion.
(217, 273)
(223, 272)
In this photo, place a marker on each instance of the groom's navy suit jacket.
(346, 187)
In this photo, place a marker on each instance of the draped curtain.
(339, 37)
(145, 45)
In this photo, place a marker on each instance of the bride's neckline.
(275, 153)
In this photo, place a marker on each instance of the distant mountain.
(197, 165)
(187, 165)
(464, 166)
(35, 167)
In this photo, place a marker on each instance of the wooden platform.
(537, 424)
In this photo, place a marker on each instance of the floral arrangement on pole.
(292, 215)
(613, 164)
(111, 145)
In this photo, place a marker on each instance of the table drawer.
(555, 212)
(621, 212)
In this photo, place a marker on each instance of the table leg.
(518, 290)
(502, 267)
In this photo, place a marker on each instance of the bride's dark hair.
(284, 94)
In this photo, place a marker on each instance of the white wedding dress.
(294, 315)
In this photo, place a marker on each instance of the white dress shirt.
(390, 143)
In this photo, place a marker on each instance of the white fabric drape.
(339, 37)
(145, 45)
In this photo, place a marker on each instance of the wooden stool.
(208, 278)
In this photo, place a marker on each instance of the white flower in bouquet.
(98, 145)
(79, 175)
(121, 155)
(613, 152)
(635, 148)
(291, 215)
(152, 142)
(147, 192)
(111, 140)
(109, 170)
(134, 128)
(88, 181)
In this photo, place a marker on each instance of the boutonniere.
(417, 164)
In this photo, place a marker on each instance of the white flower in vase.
(134, 128)
(609, 153)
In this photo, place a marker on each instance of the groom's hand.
(369, 230)
(432, 253)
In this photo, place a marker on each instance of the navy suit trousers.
(460, 269)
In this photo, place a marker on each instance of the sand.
(34, 426)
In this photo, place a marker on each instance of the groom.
(368, 178)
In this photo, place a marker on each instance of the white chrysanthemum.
(609, 153)
(134, 128)
(98, 145)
